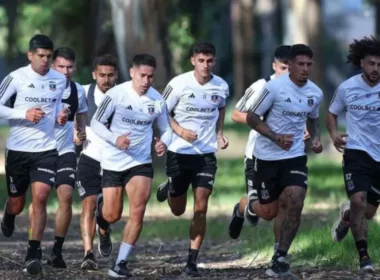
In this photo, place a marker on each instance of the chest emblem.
(214, 98)
(150, 109)
(52, 86)
(310, 101)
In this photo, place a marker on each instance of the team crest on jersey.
(52, 86)
(151, 109)
(214, 98)
(310, 101)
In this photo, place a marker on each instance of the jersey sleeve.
(101, 116)
(163, 124)
(245, 103)
(172, 94)
(8, 88)
(82, 100)
(263, 101)
(226, 94)
(337, 103)
(315, 112)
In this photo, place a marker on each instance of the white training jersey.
(93, 145)
(361, 103)
(65, 134)
(245, 105)
(22, 90)
(196, 107)
(126, 112)
(286, 107)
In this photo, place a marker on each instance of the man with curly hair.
(359, 97)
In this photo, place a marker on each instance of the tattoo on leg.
(292, 218)
(358, 220)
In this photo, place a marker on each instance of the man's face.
(142, 77)
(300, 68)
(64, 66)
(371, 68)
(105, 76)
(203, 64)
(40, 60)
(279, 67)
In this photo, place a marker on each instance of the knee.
(137, 213)
(358, 202)
(178, 211)
(268, 214)
(65, 199)
(40, 198)
(201, 206)
(111, 216)
(89, 206)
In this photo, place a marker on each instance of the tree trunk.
(10, 7)
(242, 43)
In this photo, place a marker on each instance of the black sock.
(280, 253)
(34, 245)
(193, 255)
(58, 243)
(8, 218)
(102, 223)
(362, 246)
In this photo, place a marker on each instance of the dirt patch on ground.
(154, 259)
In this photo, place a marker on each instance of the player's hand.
(339, 140)
(285, 141)
(81, 134)
(223, 141)
(63, 116)
(306, 135)
(159, 146)
(188, 135)
(123, 142)
(316, 146)
(34, 115)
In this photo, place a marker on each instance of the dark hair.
(205, 48)
(105, 60)
(144, 59)
(65, 53)
(300, 49)
(40, 41)
(361, 48)
(282, 53)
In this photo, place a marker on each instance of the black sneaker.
(278, 267)
(366, 266)
(89, 262)
(33, 266)
(120, 270)
(56, 260)
(341, 227)
(191, 270)
(7, 227)
(105, 242)
(162, 191)
(236, 224)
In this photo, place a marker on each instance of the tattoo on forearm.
(313, 127)
(261, 127)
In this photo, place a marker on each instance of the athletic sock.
(124, 252)
(362, 246)
(193, 255)
(58, 243)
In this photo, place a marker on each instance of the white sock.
(124, 251)
(276, 245)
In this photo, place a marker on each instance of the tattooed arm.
(313, 128)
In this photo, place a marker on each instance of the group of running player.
(53, 120)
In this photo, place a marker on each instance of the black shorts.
(249, 174)
(183, 170)
(272, 177)
(121, 178)
(361, 174)
(88, 177)
(66, 169)
(24, 168)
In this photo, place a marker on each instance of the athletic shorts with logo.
(24, 168)
(66, 169)
(121, 178)
(183, 170)
(361, 174)
(88, 177)
(272, 177)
